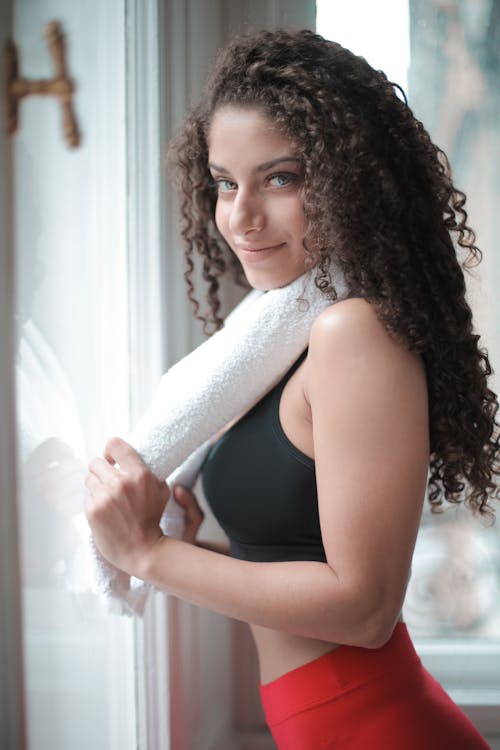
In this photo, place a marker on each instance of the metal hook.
(61, 86)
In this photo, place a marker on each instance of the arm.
(369, 411)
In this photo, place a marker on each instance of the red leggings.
(366, 699)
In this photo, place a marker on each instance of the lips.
(254, 249)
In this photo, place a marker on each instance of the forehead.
(246, 130)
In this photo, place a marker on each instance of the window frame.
(149, 311)
(12, 730)
(460, 666)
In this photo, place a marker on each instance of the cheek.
(296, 218)
(221, 218)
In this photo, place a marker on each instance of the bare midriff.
(281, 652)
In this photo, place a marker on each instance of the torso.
(279, 652)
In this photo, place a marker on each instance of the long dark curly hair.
(379, 196)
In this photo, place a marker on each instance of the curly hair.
(379, 196)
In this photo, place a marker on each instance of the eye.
(224, 185)
(282, 179)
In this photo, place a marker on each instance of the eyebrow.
(261, 167)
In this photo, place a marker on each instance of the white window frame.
(12, 731)
(460, 666)
(147, 316)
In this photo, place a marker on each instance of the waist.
(281, 652)
(341, 669)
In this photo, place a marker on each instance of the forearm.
(305, 598)
(221, 547)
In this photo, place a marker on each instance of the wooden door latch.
(61, 85)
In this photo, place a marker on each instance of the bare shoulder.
(349, 335)
(355, 310)
(351, 323)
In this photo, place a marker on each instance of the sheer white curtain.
(72, 372)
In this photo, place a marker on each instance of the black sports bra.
(262, 489)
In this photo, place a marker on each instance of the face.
(258, 173)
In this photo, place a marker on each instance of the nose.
(247, 213)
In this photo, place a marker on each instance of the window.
(72, 375)
(443, 54)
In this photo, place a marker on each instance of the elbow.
(375, 622)
(379, 631)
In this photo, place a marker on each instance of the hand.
(124, 505)
(193, 514)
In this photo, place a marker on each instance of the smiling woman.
(303, 158)
(259, 210)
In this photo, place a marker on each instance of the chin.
(262, 286)
(267, 284)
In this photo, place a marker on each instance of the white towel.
(216, 383)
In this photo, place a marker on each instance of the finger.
(182, 495)
(93, 484)
(118, 451)
(88, 505)
(187, 500)
(90, 497)
(102, 469)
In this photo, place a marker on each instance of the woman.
(299, 153)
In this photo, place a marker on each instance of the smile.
(248, 251)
